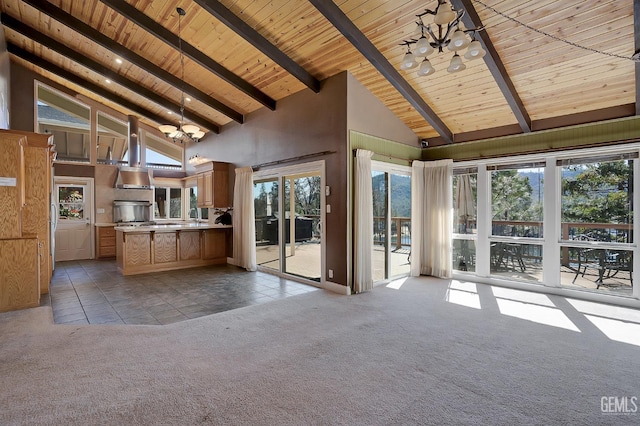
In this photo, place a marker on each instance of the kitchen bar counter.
(171, 226)
(163, 247)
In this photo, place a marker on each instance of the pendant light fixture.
(447, 31)
(186, 132)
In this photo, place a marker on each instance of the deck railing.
(605, 232)
(400, 231)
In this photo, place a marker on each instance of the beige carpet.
(391, 356)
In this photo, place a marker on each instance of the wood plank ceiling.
(528, 81)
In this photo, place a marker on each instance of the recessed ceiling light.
(118, 60)
(107, 81)
(187, 99)
(170, 112)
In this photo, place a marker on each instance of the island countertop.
(177, 226)
(174, 245)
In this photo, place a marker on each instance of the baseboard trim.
(336, 288)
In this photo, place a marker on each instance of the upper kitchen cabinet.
(213, 185)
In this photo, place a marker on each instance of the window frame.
(201, 212)
(93, 110)
(167, 201)
(90, 124)
(551, 242)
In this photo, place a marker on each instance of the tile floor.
(94, 292)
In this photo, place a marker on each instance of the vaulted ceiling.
(549, 63)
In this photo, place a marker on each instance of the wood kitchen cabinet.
(105, 242)
(212, 182)
(25, 206)
(147, 249)
(165, 247)
(214, 244)
(19, 273)
(11, 184)
(37, 208)
(137, 250)
(200, 185)
(190, 245)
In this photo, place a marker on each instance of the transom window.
(68, 121)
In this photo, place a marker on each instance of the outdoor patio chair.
(504, 253)
(607, 262)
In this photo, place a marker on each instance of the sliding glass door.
(380, 186)
(391, 185)
(302, 226)
(265, 195)
(288, 214)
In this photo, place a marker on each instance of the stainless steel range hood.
(132, 176)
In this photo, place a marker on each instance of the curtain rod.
(386, 155)
(288, 160)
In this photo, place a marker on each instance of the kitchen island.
(163, 247)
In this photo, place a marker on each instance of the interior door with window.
(73, 234)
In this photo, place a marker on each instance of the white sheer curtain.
(431, 218)
(363, 223)
(244, 225)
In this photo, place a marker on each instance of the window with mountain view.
(597, 222)
(391, 187)
(561, 220)
(517, 221)
(465, 196)
(597, 198)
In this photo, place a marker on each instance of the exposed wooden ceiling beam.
(98, 90)
(240, 27)
(636, 38)
(75, 56)
(339, 20)
(495, 65)
(142, 20)
(99, 38)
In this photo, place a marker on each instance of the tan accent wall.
(304, 123)
(307, 123)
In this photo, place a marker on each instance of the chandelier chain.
(181, 67)
(571, 43)
(183, 132)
